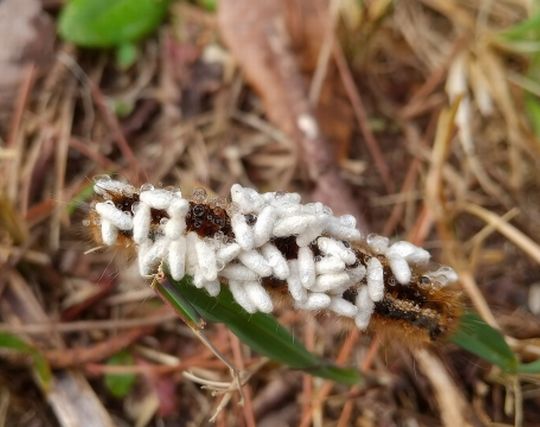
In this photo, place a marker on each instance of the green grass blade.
(109, 23)
(39, 363)
(532, 108)
(259, 331)
(168, 291)
(477, 337)
(530, 368)
(529, 29)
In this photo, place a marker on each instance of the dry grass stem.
(522, 241)
(451, 402)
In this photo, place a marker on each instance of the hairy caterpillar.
(262, 243)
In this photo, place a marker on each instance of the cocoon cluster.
(321, 259)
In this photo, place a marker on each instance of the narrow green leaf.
(85, 194)
(169, 292)
(529, 29)
(259, 331)
(109, 23)
(532, 108)
(530, 368)
(39, 363)
(479, 338)
(120, 384)
(523, 37)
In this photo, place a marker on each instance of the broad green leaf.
(120, 384)
(259, 331)
(530, 368)
(39, 363)
(479, 338)
(109, 23)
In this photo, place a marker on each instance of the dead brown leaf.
(277, 45)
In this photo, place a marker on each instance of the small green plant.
(119, 385)
(524, 38)
(111, 24)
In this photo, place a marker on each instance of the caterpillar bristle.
(270, 247)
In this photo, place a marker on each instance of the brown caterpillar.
(263, 245)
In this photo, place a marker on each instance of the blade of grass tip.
(39, 363)
(259, 331)
(477, 337)
(527, 29)
(169, 292)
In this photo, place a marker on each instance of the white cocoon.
(177, 258)
(120, 219)
(375, 279)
